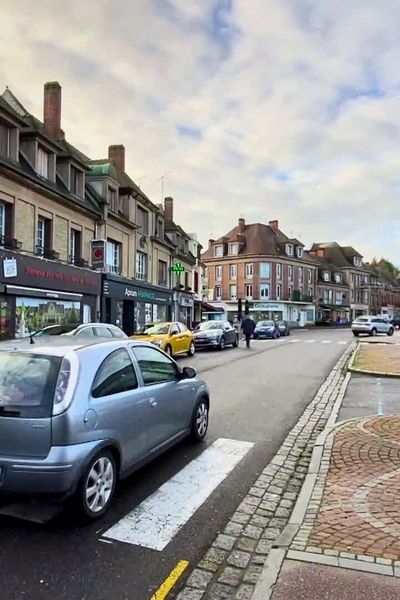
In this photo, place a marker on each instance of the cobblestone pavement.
(232, 566)
(353, 517)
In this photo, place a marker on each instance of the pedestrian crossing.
(303, 341)
(158, 519)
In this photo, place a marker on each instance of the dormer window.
(357, 261)
(233, 249)
(76, 182)
(289, 249)
(218, 251)
(299, 252)
(338, 278)
(142, 221)
(5, 140)
(326, 276)
(42, 162)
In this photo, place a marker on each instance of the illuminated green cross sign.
(178, 268)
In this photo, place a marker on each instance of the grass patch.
(379, 358)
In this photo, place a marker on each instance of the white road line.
(343, 343)
(309, 341)
(155, 522)
(326, 342)
(295, 341)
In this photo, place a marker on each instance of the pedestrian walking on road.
(248, 327)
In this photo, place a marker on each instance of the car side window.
(174, 329)
(116, 374)
(86, 331)
(155, 366)
(182, 327)
(116, 333)
(103, 332)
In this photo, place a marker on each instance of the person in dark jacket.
(248, 327)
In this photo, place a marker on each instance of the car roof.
(58, 347)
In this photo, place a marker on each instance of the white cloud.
(296, 105)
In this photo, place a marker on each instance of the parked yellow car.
(174, 338)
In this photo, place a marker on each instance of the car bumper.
(361, 330)
(206, 343)
(57, 474)
(263, 336)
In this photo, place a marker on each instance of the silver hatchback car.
(76, 417)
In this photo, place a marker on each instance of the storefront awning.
(338, 307)
(210, 308)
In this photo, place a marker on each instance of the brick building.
(262, 265)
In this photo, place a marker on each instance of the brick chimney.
(241, 224)
(52, 109)
(210, 243)
(117, 155)
(274, 225)
(169, 208)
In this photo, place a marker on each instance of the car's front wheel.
(236, 342)
(374, 332)
(168, 350)
(200, 421)
(192, 349)
(222, 343)
(391, 331)
(97, 486)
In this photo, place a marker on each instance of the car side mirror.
(188, 373)
(173, 333)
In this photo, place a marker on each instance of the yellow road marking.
(171, 580)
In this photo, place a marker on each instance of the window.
(290, 273)
(218, 251)
(182, 327)
(113, 256)
(289, 249)
(5, 139)
(264, 290)
(206, 274)
(2, 219)
(265, 270)
(218, 273)
(310, 276)
(218, 292)
(309, 316)
(278, 292)
(102, 332)
(299, 252)
(43, 241)
(278, 268)
(339, 297)
(300, 274)
(248, 291)
(232, 292)
(155, 366)
(233, 249)
(310, 292)
(357, 261)
(160, 229)
(75, 237)
(42, 162)
(76, 182)
(115, 376)
(326, 276)
(290, 292)
(187, 286)
(249, 270)
(112, 199)
(365, 297)
(338, 278)
(142, 220)
(232, 271)
(162, 273)
(141, 266)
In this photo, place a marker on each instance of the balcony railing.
(47, 253)
(115, 269)
(298, 296)
(10, 243)
(78, 261)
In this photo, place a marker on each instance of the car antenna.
(31, 340)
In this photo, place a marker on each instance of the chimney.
(274, 225)
(210, 243)
(169, 208)
(117, 155)
(241, 224)
(52, 109)
(320, 253)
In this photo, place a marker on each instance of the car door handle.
(153, 402)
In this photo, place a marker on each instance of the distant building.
(259, 264)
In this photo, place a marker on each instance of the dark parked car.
(265, 330)
(215, 334)
(283, 327)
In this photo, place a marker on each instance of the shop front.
(35, 293)
(131, 305)
(184, 308)
(300, 313)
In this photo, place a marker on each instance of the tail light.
(65, 385)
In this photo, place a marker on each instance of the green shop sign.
(177, 268)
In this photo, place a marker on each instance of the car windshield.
(27, 384)
(210, 325)
(361, 320)
(265, 324)
(158, 329)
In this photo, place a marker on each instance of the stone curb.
(234, 563)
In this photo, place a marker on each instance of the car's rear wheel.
(235, 343)
(168, 350)
(391, 331)
(374, 332)
(200, 421)
(222, 343)
(192, 349)
(97, 486)
(355, 333)
(288, 332)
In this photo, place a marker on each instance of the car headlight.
(157, 342)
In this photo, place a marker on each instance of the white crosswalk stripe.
(295, 341)
(343, 342)
(326, 342)
(156, 521)
(309, 341)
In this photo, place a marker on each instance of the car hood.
(207, 332)
(265, 328)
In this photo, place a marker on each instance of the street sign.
(177, 268)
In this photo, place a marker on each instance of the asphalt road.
(257, 396)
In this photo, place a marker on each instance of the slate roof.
(339, 256)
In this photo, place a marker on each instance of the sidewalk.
(343, 537)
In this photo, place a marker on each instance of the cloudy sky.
(269, 109)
